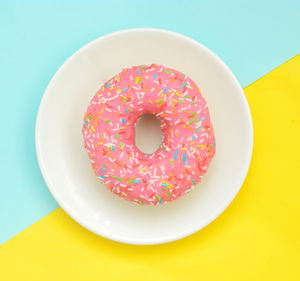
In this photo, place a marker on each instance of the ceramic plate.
(64, 162)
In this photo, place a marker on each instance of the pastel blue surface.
(252, 37)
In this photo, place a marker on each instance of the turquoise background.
(252, 37)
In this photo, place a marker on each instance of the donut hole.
(148, 134)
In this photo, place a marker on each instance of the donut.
(188, 139)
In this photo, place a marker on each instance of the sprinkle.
(90, 117)
(202, 118)
(103, 169)
(175, 156)
(143, 67)
(108, 84)
(127, 111)
(157, 196)
(187, 97)
(117, 136)
(164, 184)
(159, 101)
(182, 101)
(130, 181)
(138, 72)
(198, 131)
(166, 89)
(105, 165)
(143, 169)
(120, 180)
(193, 137)
(86, 123)
(124, 193)
(184, 159)
(193, 113)
(201, 146)
(138, 80)
(102, 177)
(168, 71)
(154, 76)
(137, 181)
(123, 120)
(183, 85)
(192, 120)
(124, 89)
(167, 183)
(107, 121)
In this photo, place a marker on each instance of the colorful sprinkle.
(175, 156)
(192, 120)
(108, 85)
(184, 159)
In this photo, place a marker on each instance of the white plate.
(64, 162)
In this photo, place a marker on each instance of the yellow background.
(256, 238)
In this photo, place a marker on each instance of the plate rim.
(164, 239)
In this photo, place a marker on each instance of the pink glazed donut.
(109, 134)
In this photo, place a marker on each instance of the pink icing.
(109, 134)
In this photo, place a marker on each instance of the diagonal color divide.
(252, 37)
(256, 238)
